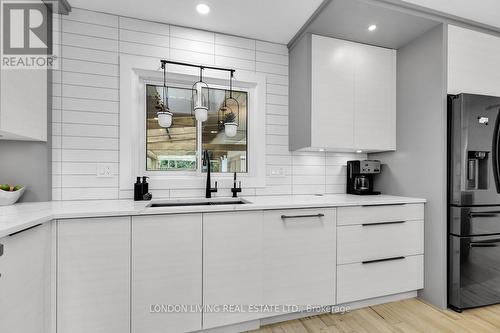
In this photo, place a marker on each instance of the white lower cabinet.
(299, 258)
(380, 251)
(93, 275)
(232, 266)
(25, 281)
(365, 280)
(166, 273)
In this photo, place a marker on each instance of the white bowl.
(10, 198)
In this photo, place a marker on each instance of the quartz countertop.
(24, 215)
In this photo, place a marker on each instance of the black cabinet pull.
(382, 223)
(386, 204)
(382, 260)
(283, 217)
(18, 232)
(1, 250)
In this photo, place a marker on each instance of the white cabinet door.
(375, 98)
(25, 281)
(332, 107)
(232, 266)
(300, 257)
(166, 271)
(93, 275)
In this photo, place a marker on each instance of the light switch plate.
(104, 170)
(276, 172)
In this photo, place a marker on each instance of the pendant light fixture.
(230, 112)
(201, 98)
(163, 113)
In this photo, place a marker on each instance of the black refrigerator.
(473, 201)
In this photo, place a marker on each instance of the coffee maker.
(360, 176)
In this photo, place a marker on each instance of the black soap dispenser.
(145, 189)
(138, 190)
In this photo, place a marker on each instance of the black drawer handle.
(283, 217)
(18, 232)
(386, 204)
(382, 223)
(1, 250)
(382, 260)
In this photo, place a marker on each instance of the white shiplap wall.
(86, 104)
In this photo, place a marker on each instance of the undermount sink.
(197, 202)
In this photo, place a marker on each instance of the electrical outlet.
(104, 170)
(276, 172)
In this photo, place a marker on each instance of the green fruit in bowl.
(4, 187)
(18, 187)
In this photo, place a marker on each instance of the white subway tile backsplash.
(144, 26)
(144, 50)
(95, 43)
(272, 58)
(90, 80)
(79, 53)
(85, 168)
(88, 16)
(80, 66)
(85, 129)
(239, 42)
(144, 38)
(75, 142)
(192, 57)
(235, 63)
(90, 92)
(277, 89)
(91, 118)
(77, 104)
(271, 47)
(81, 155)
(235, 52)
(192, 34)
(89, 29)
(96, 131)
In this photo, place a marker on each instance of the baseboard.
(350, 306)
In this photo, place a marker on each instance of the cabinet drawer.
(377, 214)
(361, 242)
(367, 280)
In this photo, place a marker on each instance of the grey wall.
(418, 167)
(29, 163)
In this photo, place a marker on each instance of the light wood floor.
(408, 316)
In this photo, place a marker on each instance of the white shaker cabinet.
(166, 271)
(93, 275)
(342, 96)
(25, 281)
(300, 256)
(232, 266)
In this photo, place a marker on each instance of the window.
(175, 148)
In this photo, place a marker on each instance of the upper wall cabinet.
(342, 96)
(473, 65)
(23, 104)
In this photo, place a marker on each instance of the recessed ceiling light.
(203, 9)
(372, 27)
(321, 149)
(359, 151)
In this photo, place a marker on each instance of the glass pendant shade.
(165, 118)
(201, 100)
(230, 129)
(231, 114)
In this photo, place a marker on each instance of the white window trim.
(135, 73)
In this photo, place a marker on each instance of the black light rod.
(163, 62)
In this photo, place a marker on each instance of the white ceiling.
(269, 20)
(482, 11)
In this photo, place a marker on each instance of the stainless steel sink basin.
(197, 202)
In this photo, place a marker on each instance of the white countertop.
(24, 215)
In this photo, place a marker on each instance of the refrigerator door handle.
(487, 243)
(496, 153)
(484, 214)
